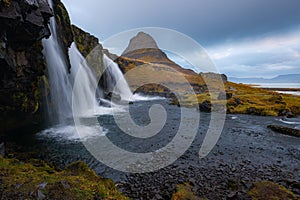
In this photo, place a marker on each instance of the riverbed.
(246, 152)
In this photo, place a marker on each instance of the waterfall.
(61, 81)
(59, 100)
(114, 80)
(78, 86)
(84, 96)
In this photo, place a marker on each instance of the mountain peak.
(141, 41)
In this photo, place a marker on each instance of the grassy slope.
(260, 102)
(245, 99)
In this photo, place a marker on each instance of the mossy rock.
(5, 3)
(285, 130)
(184, 192)
(36, 179)
(267, 190)
(63, 28)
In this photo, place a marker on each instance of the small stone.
(65, 184)
(232, 195)
(42, 185)
(2, 149)
(158, 196)
(40, 195)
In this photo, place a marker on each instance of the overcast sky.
(244, 38)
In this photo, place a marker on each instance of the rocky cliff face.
(85, 42)
(22, 26)
(89, 47)
(93, 51)
(63, 28)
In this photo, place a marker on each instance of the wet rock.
(65, 184)
(205, 106)
(42, 185)
(290, 115)
(296, 185)
(224, 96)
(40, 195)
(23, 24)
(238, 101)
(232, 195)
(2, 149)
(253, 111)
(285, 130)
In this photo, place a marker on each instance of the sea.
(280, 85)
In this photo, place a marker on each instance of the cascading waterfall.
(61, 81)
(114, 80)
(84, 98)
(59, 101)
(78, 87)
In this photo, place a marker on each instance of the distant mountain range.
(289, 78)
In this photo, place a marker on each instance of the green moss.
(85, 42)
(250, 100)
(272, 191)
(184, 192)
(24, 180)
(6, 3)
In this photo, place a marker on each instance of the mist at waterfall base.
(86, 96)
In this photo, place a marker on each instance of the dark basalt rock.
(205, 106)
(85, 42)
(224, 96)
(22, 26)
(2, 149)
(285, 130)
(22, 23)
(63, 28)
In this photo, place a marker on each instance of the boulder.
(205, 106)
(224, 96)
(2, 149)
(285, 130)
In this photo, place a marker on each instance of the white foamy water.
(290, 122)
(114, 79)
(140, 97)
(77, 88)
(72, 133)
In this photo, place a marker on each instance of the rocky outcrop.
(140, 41)
(63, 28)
(85, 42)
(22, 26)
(214, 76)
(93, 51)
(285, 130)
(89, 47)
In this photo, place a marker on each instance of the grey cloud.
(207, 21)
